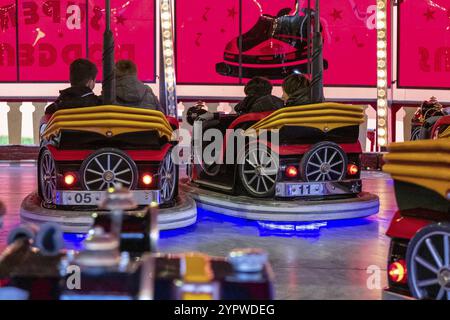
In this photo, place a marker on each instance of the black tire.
(168, 170)
(132, 177)
(44, 184)
(325, 161)
(259, 175)
(420, 261)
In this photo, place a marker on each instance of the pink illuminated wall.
(424, 44)
(133, 26)
(204, 27)
(8, 65)
(50, 38)
(53, 33)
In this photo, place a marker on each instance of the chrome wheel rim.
(259, 171)
(325, 164)
(430, 267)
(167, 178)
(48, 178)
(108, 170)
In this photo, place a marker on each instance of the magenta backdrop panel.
(205, 27)
(424, 44)
(133, 26)
(51, 35)
(8, 64)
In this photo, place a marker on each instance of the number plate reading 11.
(305, 189)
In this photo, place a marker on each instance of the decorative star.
(120, 20)
(232, 13)
(429, 14)
(336, 14)
(222, 30)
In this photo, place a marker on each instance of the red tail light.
(352, 169)
(147, 179)
(291, 171)
(397, 271)
(70, 179)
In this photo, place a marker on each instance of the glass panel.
(51, 35)
(133, 25)
(424, 44)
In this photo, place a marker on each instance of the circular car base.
(364, 205)
(183, 214)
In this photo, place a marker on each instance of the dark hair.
(81, 71)
(258, 86)
(294, 82)
(125, 68)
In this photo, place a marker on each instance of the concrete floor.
(327, 263)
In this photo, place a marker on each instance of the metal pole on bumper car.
(317, 95)
(109, 80)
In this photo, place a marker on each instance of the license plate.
(82, 198)
(313, 189)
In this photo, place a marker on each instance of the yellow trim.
(197, 296)
(445, 134)
(323, 116)
(108, 121)
(425, 163)
(197, 268)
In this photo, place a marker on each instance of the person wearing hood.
(296, 90)
(258, 98)
(82, 81)
(130, 91)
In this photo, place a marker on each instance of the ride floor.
(310, 261)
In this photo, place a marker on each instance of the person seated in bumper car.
(130, 91)
(82, 81)
(259, 97)
(296, 90)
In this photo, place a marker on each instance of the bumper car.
(425, 118)
(274, 47)
(119, 261)
(295, 164)
(86, 151)
(419, 256)
(441, 128)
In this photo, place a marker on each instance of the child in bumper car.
(259, 97)
(130, 91)
(296, 90)
(82, 80)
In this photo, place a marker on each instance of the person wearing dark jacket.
(258, 98)
(130, 91)
(82, 80)
(296, 90)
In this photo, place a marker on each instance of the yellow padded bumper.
(425, 163)
(108, 121)
(197, 268)
(322, 116)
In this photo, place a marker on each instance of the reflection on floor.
(312, 261)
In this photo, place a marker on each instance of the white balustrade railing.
(19, 121)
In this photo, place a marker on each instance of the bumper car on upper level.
(419, 257)
(86, 151)
(119, 261)
(273, 165)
